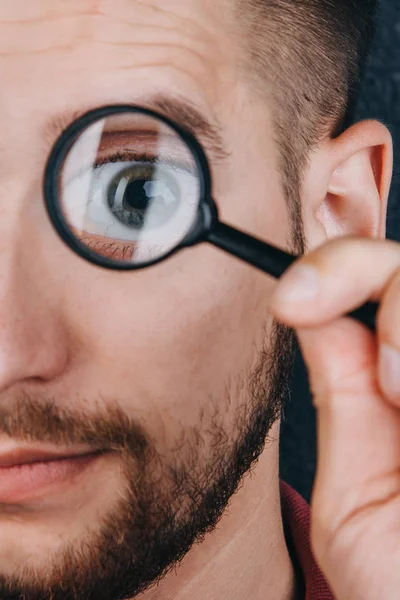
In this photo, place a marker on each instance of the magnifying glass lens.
(129, 188)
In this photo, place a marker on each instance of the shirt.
(296, 520)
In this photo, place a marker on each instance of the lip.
(28, 483)
(27, 455)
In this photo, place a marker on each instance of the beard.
(168, 505)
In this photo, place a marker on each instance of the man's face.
(170, 366)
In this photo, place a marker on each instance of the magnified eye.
(140, 196)
(129, 188)
(143, 195)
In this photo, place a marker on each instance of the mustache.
(27, 419)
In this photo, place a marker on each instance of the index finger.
(334, 279)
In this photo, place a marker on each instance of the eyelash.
(129, 156)
(110, 246)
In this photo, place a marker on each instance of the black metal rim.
(207, 214)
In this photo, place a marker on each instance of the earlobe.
(358, 182)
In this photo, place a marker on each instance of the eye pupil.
(138, 194)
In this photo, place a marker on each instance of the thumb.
(358, 435)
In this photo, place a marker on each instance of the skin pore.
(178, 368)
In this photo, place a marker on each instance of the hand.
(355, 382)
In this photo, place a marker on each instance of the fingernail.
(298, 285)
(389, 370)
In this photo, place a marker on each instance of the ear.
(347, 185)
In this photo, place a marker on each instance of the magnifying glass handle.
(273, 261)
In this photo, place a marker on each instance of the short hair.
(308, 56)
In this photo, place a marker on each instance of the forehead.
(58, 55)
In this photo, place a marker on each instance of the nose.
(32, 335)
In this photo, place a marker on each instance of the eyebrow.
(178, 109)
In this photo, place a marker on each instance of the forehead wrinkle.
(120, 49)
(106, 23)
(168, 16)
(125, 11)
(97, 66)
(200, 26)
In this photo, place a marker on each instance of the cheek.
(168, 341)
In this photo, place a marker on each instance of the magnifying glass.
(125, 187)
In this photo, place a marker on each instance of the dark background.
(380, 99)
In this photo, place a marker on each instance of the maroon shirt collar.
(296, 518)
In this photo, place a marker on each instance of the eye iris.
(136, 190)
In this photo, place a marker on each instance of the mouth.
(27, 474)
